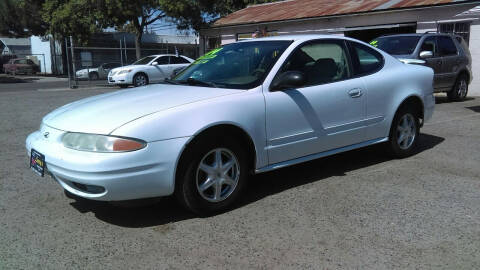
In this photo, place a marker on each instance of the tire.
(93, 76)
(459, 90)
(140, 79)
(404, 133)
(193, 188)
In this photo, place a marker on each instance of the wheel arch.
(465, 72)
(417, 103)
(225, 129)
(138, 73)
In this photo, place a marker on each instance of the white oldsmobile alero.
(248, 107)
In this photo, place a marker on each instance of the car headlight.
(100, 143)
(124, 71)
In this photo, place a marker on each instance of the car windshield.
(144, 60)
(396, 45)
(242, 65)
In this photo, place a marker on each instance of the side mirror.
(155, 63)
(289, 79)
(426, 54)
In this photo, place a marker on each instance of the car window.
(321, 62)
(144, 61)
(178, 60)
(446, 46)
(30, 62)
(396, 45)
(365, 60)
(16, 62)
(163, 60)
(22, 61)
(429, 44)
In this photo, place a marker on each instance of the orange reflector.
(126, 145)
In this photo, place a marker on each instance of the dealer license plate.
(37, 162)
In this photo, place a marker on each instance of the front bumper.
(116, 79)
(149, 172)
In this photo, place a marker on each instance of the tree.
(21, 18)
(133, 16)
(196, 14)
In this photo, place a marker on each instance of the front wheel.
(212, 176)
(404, 133)
(460, 89)
(140, 80)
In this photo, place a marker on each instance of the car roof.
(418, 35)
(156, 55)
(294, 37)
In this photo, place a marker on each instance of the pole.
(125, 47)
(68, 64)
(121, 53)
(73, 63)
(44, 66)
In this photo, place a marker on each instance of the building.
(361, 19)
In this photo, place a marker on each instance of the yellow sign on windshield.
(208, 56)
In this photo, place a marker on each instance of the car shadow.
(161, 211)
(474, 108)
(444, 99)
(11, 79)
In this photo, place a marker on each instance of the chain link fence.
(89, 66)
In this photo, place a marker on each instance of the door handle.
(355, 93)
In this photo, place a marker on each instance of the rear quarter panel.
(390, 87)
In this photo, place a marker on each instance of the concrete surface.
(357, 210)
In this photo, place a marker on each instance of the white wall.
(474, 89)
(42, 47)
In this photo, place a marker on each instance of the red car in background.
(21, 66)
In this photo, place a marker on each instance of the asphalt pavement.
(356, 210)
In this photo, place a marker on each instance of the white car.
(150, 69)
(97, 73)
(248, 107)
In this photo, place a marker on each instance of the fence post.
(73, 63)
(125, 48)
(68, 64)
(121, 53)
(44, 65)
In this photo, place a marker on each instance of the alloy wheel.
(140, 80)
(406, 131)
(217, 175)
(462, 89)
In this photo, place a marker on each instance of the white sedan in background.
(150, 69)
(248, 107)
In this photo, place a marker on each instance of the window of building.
(459, 28)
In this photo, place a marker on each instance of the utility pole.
(73, 63)
(68, 64)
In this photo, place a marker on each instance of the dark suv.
(448, 55)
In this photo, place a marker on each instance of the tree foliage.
(21, 18)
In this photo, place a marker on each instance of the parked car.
(100, 72)
(21, 66)
(4, 59)
(150, 69)
(248, 107)
(448, 55)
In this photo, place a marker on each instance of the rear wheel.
(404, 133)
(212, 176)
(460, 89)
(140, 79)
(93, 76)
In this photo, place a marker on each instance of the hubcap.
(140, 80)
(462, 89)
(217, 175)
(406, 131)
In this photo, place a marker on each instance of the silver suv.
(448, 55)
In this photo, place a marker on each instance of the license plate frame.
(37, 162)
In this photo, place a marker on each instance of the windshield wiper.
(192, 81)
(171, 81)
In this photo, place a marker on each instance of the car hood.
(102, 114)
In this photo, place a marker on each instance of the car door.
(325, 113)
(178, 62)
(435, 62)
(158, 72)
(450, 61)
